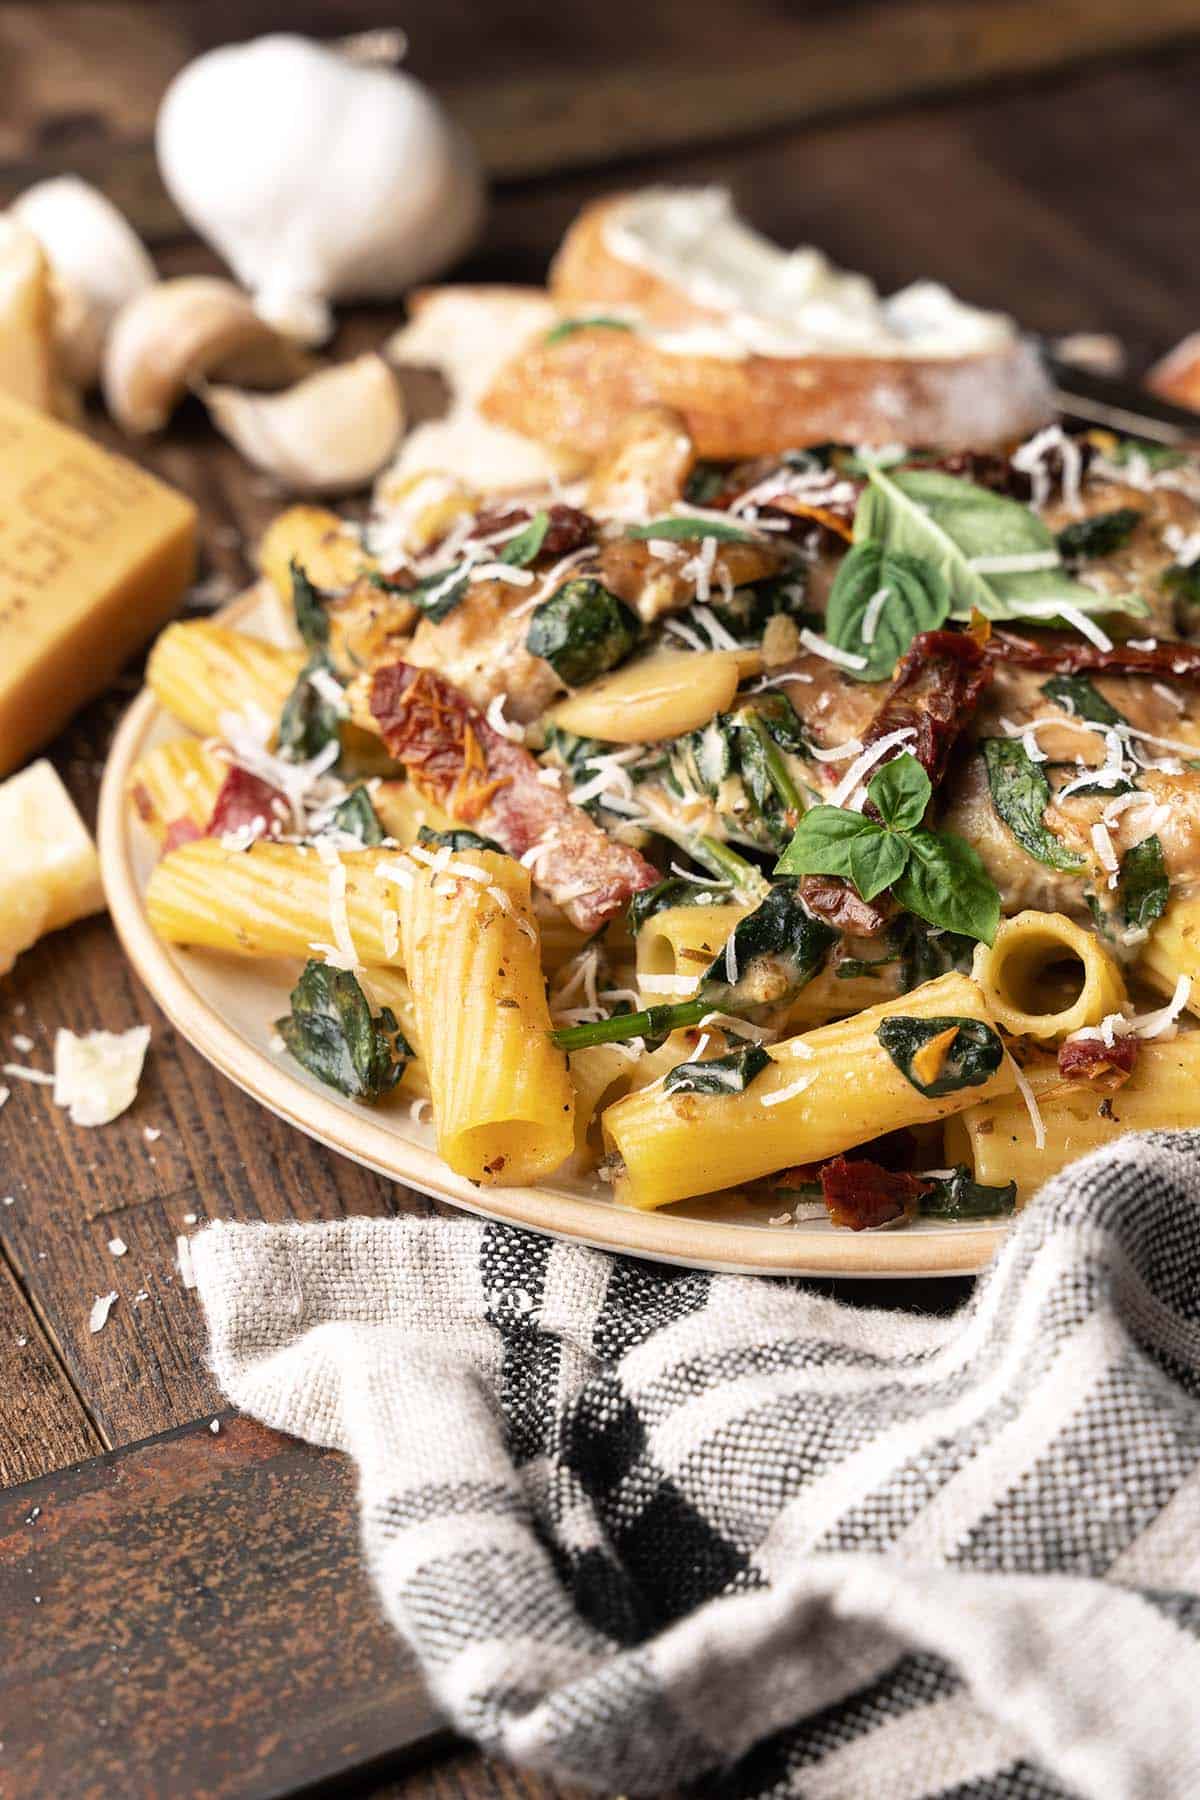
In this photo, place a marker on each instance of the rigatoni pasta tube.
(503, 1102)
(200, 671)
(275, 900)
(174, 781)
(829, 1090)
(996, 1137)
(681, 941)
(1045, 977)
(1173, 948)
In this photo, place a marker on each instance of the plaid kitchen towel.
(646, 1526)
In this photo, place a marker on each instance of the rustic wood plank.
(42, 1421)
(191, 1617)
(462, 1774)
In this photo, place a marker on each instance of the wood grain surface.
(223, 1568)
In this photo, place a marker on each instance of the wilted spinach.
(331, 1033)
(582, 631)
(971, 1056)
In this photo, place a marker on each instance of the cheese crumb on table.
(50, 875)
(101, 1307)
(96, 1076)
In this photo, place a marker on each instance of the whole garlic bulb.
(316, 178)
(97, 262)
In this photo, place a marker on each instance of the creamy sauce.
(773, 302)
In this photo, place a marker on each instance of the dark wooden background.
(182, 1611)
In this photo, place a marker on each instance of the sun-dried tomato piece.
(569, 529)
(486, 781)
(1091, 1059)
(862, 1195)
(244, 799)
(934, 692)
(181, 831)
(1058, 653)
(834, 900)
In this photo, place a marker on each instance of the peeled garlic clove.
(317, 179)
(168, 338)
(329, 434)
(97, 260)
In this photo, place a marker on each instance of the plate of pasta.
(784, 864)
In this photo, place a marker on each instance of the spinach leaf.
(855, 968)
(739, 762)
(706, 481)
(458, 840)
(1128, 450)
(1183, 580)
(309, 720)
(926, 951)
(1020, 795)
(959, 1196)
(746, 612)
(1100, 535)
(674, 890)
(917, 599)
(582, 631)
(331, 1033)
(1145, 887)
(945, 882)
(358, 817)
(1076, 695)
(679, 529)
(312, 622)
(959, 528)
(586, 322)
(731, 1074)
(971, 1056)
(773, 953)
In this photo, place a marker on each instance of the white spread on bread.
(773, 302)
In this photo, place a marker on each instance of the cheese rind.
(94, 554)
(49, 873)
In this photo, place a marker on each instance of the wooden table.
(183, 1610)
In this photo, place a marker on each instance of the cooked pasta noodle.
(1045, 977)
(201, 672)
(176, 781)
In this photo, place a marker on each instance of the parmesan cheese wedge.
(27, 365)
(96, 1076)
(49, 873)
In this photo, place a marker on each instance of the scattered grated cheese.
(101, 1307)
(390, 926)
(1032, 458)
(1031, 1106)
(5, 1095)
(1142, 643)
(21, 1073)
(1055, 609)
(821, 646)
(1154, 1024)
(870, 621)
(1103, 845)
(22, 1042)
(862, 765)
(721, 638)
(685, 634)
(96, 1075)
(790, 1092)
(507, 728)
(183, 1256)
(758, 1034)
(713, 881)
(117, 1246)
(838, 752)
(675, 984)
(339, 917)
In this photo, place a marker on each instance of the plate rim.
(660, 1236)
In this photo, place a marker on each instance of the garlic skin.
(316, 178)
(329, 434)
(97, 263)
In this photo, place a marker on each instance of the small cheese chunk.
(49, 872)
(96, 1076)
(94, 554)
(27, 367)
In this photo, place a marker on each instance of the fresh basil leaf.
(900, 792)
(1145, 886)
(877, 862)
(918, 599)
(822, 840)
(972, 1056)
(1020, 794)
(674, 890)
(524, 548)
(958, 1196)
(357, 817)
(952, 523)
(308, 721)
(945, 882)
(312, 621)
(1077, 695)
(582, 631)
(331, 1033)
(731, 1074)
(678, 529)
(1100, 535)
(586, 322)
(458, 840)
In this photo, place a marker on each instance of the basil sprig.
(917, 599)
(931, 873)
(1020, 794)
(957, 527)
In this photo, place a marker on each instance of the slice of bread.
(704, 307)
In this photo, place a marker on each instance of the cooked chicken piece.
(662, 580)
(1140, 563)
(645, 468)
(480, 647)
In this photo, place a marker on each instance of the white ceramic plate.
(225, 1007)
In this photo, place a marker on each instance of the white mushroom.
(97, 261)
(329, 434)
(171, 336)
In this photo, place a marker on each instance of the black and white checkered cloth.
(645, 1526)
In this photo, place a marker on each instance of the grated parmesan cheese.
(507, 728)
(102, 1305)
(96, 1075)
(862, 765)
(788, 1093)
(870, 621)
(1031, 1106)
(821, 646)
